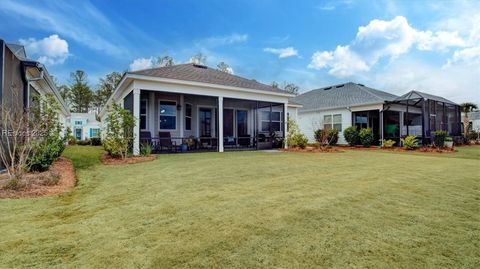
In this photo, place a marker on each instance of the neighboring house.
(390, 117)
(21, 79)
(474, 119)
(210, 109)
(84, 126)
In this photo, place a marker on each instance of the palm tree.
(467, 108)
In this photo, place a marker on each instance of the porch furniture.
(244, 141)
(165, 142)
(145, 137)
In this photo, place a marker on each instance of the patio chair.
(165, 142)
(146, 138)
(244, 141)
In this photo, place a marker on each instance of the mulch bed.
(108, 160)
(60, 178)
(314, 149)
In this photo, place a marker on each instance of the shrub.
(85, 142)
(72, 141)
(326, 136)
(294, 137)
(474, 135)
(388, 143)
(145, 149)
(410, 142)
(96, 141)
(439, 138)
(52, 144)
(119, 134)
(366, 137)
(351, 135)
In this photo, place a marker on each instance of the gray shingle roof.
(204, 74)
(416, 94)
(342, 95)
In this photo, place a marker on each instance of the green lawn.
(254, 209)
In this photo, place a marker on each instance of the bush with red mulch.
(109, 160)
(59, 178)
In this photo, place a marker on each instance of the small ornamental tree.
(294, 137)
(30, 139)
(326, 137)
(119, 133)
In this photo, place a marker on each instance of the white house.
(84, 126)
(202, 107)
(390, 116)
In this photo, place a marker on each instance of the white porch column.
(285, 125)
(136, 114)
(220, 124)
(182, 115)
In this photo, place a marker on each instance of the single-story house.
(84, 126)
(390, 116)
(201, 108)
(474, 120)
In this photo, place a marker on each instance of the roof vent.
(200, 66)
(339, 86)
(359, 84)
(328, 88)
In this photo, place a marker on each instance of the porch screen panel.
(188, 117)
(228, 122)
(242, 123)
(143, 114)
(168, 115)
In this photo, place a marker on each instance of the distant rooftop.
(342, 95)
(418, 95)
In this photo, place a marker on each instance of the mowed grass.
(254, 209)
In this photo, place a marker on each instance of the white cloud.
(342, 62)
(143, 63)
(216, 41)
(49, 50)
(283, 52)
(382, 39)
(457, 83)
(81, 22)
(468, 56)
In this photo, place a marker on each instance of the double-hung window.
(271, 121)
(168, 115)
(188, 117)
(332, 122)
(143, 114)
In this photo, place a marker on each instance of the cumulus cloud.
(143, 63)
(216, 41)
(382, 39)
(283, 52)
(49, 50)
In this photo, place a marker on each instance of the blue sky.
(396, 46)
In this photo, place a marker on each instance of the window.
(168, 115)
(143, 114)
(78, 122)
(276, 121)
(332, 121)
(327, 122)
(95, 132)
(188, 117)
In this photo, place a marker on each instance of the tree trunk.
(466, 125)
